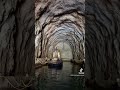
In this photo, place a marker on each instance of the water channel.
(59, 79)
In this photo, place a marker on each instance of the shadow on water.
(59, 79)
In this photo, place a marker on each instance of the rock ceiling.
(60, 21)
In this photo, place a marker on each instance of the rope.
(22, 86)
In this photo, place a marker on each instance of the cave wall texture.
(59, 21)
(102, 41)
(101, 34)
(17, 37)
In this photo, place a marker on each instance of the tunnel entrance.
(65, 50)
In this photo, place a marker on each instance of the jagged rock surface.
(102, 35)
(103, 41)
(16, 37)
(59, 21)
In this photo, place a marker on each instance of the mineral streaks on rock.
(59, 21)
(16, 37)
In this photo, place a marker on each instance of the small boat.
(55, 63)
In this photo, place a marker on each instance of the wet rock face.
(103, 41)
(16, 37)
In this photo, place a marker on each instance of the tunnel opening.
(65, 50)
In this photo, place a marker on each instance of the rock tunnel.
(72, 22)
(60, 23)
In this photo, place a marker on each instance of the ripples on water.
(53, 79)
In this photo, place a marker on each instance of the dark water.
(53, 79)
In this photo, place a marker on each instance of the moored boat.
(55, 64)
(56, 61)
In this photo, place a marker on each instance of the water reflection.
(59, 79)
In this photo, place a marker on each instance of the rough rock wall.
(59, 21)
(102, 37)
(103, 41)
(16, 37)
